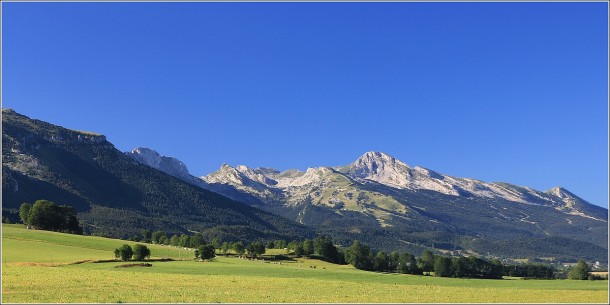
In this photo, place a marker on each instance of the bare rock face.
(153, 159)
(325, 186)
(382, 168)
(168, 165)
(378, 167)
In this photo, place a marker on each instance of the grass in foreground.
(228, 279)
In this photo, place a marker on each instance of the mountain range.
(380, 168)
(376, 199)
(385, 202)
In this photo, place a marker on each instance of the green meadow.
(41, 267)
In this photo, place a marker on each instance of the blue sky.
(511, 92)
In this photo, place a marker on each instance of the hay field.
(40, 261)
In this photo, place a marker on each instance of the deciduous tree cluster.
(321, 247)
(137, 253)
(46, 215)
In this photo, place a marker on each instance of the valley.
(43, 261)
(333, 152)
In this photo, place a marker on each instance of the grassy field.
(35, 269)
(60, 248)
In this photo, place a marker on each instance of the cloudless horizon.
(500, 92)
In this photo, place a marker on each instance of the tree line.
(362, 257)
(47, 215)
(530, 270)
(321, 247)
(359, 255)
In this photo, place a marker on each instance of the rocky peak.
(226, 174)
(254, 175)
(240, 175)
(225, 166)
(242, 168)
(153, 159)
(570, 200)
(146, 156)
(382, 168)
(267, 171)
(318, 171)
(378, 161)
(560, 192)
(312, 176)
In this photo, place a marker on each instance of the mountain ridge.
(114, 194)
(370, 166)
(386, 197)
(168, 165)
(385, 169)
